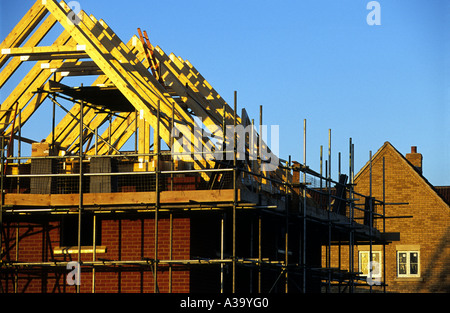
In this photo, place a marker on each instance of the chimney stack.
(415, 159)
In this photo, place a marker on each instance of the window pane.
(376, 263)
(413, 256)
(376, 257)
(414, 263)
(363, 263)
(402, 258)
(402, 263)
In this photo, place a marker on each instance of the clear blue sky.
(313, 59)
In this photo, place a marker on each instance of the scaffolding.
(139, 90)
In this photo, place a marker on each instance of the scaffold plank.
(121, 198)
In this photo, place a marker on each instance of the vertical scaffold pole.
(321, 166)
(370, 221)
(259, 190)
(136, 132)
(157, 189)
(2, 201)
(260, 147)
(304, 207)
(234, 194)
(384, 225)
(286, 248)
(222, 242)
(351, 212)
(170, 249)
(222, 223)
(80, 206)
(94, 248)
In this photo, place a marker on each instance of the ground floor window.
(365, 267)
(408, 263)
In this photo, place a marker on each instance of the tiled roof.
(444, 192)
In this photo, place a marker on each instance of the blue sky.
(314, 59)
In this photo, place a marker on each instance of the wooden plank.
(81, 72)
(78, 66)
(22, 30)
(27, 200)
(121, 198)
(51, 56)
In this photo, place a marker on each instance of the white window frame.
(408, 263)
(360, 259)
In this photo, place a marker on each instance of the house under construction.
(200, 205)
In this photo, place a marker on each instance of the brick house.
(420, 260)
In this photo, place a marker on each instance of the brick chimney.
(415, 159)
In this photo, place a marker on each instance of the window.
(408, 264)
(364, 263)
(69, 230)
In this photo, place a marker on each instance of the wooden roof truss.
(145, 76)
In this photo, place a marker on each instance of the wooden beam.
(129, 82)
(200, 84)
(121, 130)
(51, 56)
(66, 132)
(25, 91)
(46, 51)
(153, 86)
(209, 109)
(23, 29)
(34, 40)
(195, 101)
(139, 82)
(81, 72)
(102, 29)
(77, 66)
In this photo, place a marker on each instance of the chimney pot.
(413, 149)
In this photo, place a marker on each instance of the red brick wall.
(125, 239)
